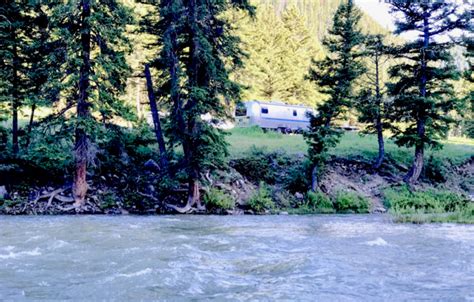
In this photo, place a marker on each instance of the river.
(234, 258)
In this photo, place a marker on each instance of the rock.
(298, 195)
(379, 210)
(283, 213)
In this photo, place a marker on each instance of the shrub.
(256, 166)
(261, 199)
(350, 202)
(403, 201)
(216, 200)
(318, 202)
(297, 178)
(436, 170)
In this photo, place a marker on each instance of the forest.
(102, 107)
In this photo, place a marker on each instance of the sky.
(378, 10)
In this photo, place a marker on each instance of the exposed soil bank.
(241, 180)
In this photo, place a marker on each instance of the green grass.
(428, 206)
(352, 144)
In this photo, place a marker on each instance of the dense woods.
(104, 105)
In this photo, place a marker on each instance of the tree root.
(54, 195)
(188, 209)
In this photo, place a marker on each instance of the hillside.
(280, 42)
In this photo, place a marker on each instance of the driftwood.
(54, 195)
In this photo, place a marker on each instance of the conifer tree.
(193, 61)
(334, 76)
(422, 90)
(15, 28)
(95, 44)
(372, 103)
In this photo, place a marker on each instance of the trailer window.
(295, 113)
(264, 110)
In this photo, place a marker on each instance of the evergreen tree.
(279, 51)
(335, 76)
(93, 34)
(423, 93)
(196, 52)
(372, 104)
(15, 27)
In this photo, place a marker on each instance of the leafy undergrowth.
(344, 202)
(427, 206)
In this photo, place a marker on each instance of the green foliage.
(297, 177)
(108, 200)
(422, 86)
(257, 165)
(279, 50)
(318, 202)
(261, 199)
(335, 76)
(350, 202)
(428, 206)
(216, 200)
(403, 201)
(196, 52)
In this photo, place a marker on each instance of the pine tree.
(423, 93)
(95, 44)
(372, 103)
(334, 76)
(196, 52)
(15, 27)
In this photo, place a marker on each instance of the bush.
(256, 166)
(297, 178)
(216, 200)
(403, 201)
(350, 202)
(436, 170)
(318, 202)
(261, 200)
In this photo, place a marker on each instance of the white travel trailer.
(274, 115)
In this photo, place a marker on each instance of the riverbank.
(272, 178)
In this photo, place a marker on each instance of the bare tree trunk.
(81, 148)
(156, 119)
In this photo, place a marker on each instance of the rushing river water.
(245, 258)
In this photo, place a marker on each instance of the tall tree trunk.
(417, 166)
(156, 119)
(314, 178)
(15, 95)
(378, 122)
(81, 147)
(30, 125)
(193, 183)
(381, 156)
(137, 98)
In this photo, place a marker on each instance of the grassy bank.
(457, 150)
(426, 206)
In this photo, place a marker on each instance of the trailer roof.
(277, 103)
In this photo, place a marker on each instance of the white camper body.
(275, 115)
